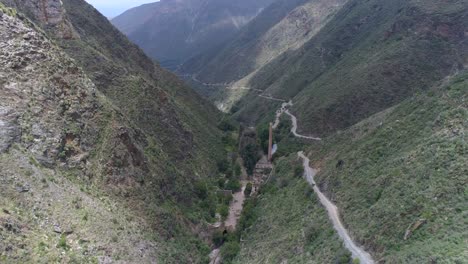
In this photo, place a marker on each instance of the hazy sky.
(112, 8)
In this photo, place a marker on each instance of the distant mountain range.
(171, 31)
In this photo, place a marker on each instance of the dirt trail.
(356, 251)
(215, 256)
(235, 209)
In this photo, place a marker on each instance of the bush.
(63, 243)
(201, 189)
(248, 189)
(298, 171)
(224, 211)
(230, 250)
(223, 165)
(248, 216)
(311, 233)
(237, 170)
(250, 157)
(343, 257)
(226, 125)
(233, 185)
(221, 182)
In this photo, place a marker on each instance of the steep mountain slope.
(281, 26)
(172, 31)
(100, 148)
(371, 56)
(300, 233)
(404, 175)
(368, 56)
(398, 177)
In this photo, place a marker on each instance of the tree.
(248, 189)
(250, 157)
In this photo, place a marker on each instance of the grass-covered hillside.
(282, 27)
(370, 56)
(399, 179)
(404, 169)
(289, 223)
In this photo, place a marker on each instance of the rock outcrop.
(45, 98)
(49, 13)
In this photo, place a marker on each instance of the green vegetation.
(401, 167)
(63, 243)
(370, 56)
(248, 189)
(250, 156)
(233, 185)
(300, 233)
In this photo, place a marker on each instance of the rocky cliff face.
(49, 13)
(46, 99)
(53, 122)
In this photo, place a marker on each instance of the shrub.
(343, 257)
(298, 171)
(233, 185)
(224, 211)
(63, 243)
(230, 251)
(226, 125)
(223, 165)
(248, 216)
(311, 233)
(248, 189)
(250, 157)
(201, 189)
(237, 170)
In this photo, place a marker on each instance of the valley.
(234, 132)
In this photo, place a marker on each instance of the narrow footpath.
(235, 208)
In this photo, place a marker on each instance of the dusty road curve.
(284, 109)
(294, 127)
(356, 251)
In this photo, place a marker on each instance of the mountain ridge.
(103, 148)
(201, 25)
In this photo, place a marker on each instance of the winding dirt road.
(284, 109)
(356, 251)
(294, 128)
